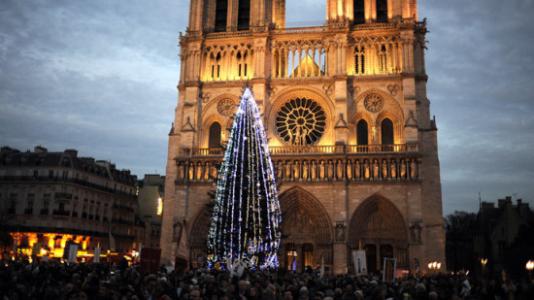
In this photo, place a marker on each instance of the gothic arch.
(305, 225)
(211, 115)
(302, 92)
(206, 125)
(378, 224)
(391, 110)
(198, 236)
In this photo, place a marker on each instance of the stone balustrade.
(373, 163)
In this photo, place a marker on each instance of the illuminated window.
(359, 60)
(241, 65)
(383, 59)
(301, 122)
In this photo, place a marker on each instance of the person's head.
(195, 294)
(243, 286)
(288, 295)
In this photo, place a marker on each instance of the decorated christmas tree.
(245, 225)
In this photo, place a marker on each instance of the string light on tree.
(245, 225)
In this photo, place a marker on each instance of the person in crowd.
(101, 281)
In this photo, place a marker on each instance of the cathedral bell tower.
(348, 121)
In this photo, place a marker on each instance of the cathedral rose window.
(300, 122)
(374, 103)
(226, 107)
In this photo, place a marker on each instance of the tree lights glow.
(245, 225)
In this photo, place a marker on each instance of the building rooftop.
(41, 157)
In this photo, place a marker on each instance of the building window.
(383, 59)
(75, 208)
(215, 136)
(243, 16)
(301, 122)
(46, 204)
(12, 204)
(221, 15)
(359, 60)
(359, 11)
(29, 204)
(242, 65)
(362, 133)
(387, 132)
(216, 66)
(381, 10)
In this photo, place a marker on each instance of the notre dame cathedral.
(348, 120)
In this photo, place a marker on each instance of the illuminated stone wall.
(370, 74)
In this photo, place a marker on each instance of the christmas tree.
(245, 225)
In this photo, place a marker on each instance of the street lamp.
(483, 263)
(530, 266)
(434, 266)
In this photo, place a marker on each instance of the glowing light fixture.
(159, 210)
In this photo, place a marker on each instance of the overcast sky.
(100, 76)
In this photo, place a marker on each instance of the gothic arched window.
(362, 133)
(359, 60)
(242, 69)
(387, 132)
(383, 59)
(359, 11)
(381, 10)
(243, 16)
(221, 15)
(218, 66)
(215, 136)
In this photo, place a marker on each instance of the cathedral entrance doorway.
(378, 227)
(306, 232)
(198, 239)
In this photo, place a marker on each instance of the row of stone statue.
(316, 170)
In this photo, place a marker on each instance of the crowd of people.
(55, 280)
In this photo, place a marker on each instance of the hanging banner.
(96, 258)
(73, 252)
(360, 262)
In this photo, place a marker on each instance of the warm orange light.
(160, 207)
(48, 248)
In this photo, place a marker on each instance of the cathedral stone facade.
(348, 121)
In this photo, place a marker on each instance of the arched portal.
(198, 239)
(306, 231)
(378, 227)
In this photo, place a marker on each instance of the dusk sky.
(100, 76)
